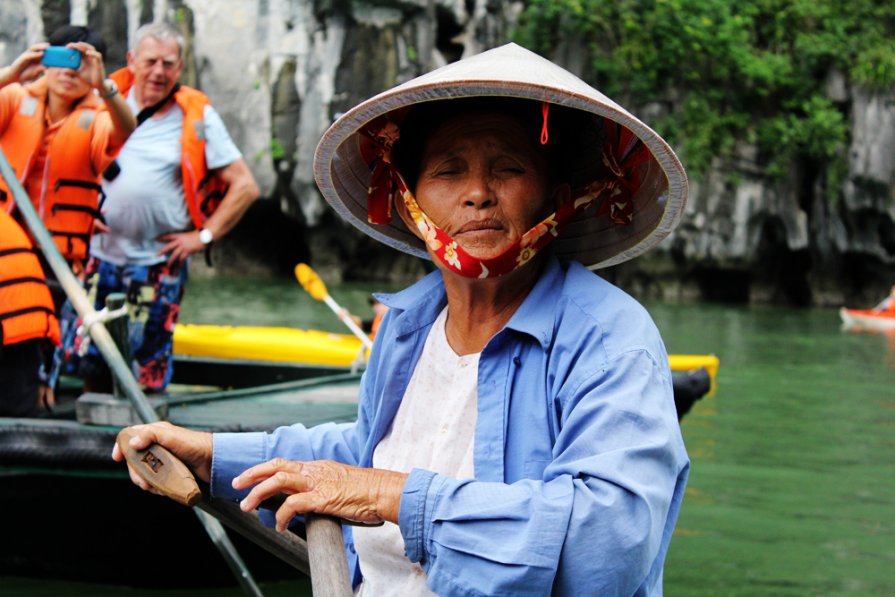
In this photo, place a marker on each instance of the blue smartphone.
(61, 57)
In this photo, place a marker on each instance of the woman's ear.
(401, 208)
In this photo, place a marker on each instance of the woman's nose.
(478, 192)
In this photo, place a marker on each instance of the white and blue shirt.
(146, 199)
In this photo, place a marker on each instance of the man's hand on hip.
(180, 245)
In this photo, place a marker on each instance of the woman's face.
(483, 181)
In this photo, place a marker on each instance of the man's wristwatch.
(206, 236)
(111, 89)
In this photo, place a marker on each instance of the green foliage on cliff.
(722, 71)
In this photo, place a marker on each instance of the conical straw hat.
(343, 175)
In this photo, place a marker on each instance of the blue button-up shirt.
(580, 466)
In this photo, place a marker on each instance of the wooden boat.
(867, 319)
(61, 489)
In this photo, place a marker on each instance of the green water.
(792, 490)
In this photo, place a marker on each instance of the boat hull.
(69, 512)
(110, 532)
(867, 319)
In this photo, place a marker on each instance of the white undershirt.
(434, 429)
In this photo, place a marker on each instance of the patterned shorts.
(153, 295)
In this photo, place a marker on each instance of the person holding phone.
(60, 127)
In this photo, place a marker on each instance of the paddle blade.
(161, 469)
(310, 281)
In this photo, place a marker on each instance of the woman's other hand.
(324, 487)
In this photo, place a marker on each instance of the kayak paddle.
(312, 283)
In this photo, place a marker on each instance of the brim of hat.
(513, 72)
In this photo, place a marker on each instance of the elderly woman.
(516, 427)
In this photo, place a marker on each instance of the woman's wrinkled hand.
(324, 487)
(193, 448)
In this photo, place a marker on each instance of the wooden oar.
(314, 285)
(324, 561)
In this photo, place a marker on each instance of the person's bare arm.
(94, 73)
(241, 192)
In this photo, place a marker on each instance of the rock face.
(279, 72)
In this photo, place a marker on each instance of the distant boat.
(867, 319)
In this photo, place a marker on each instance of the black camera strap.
(113, 169)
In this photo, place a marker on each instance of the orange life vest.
(203, 189)
(26, 307)
(69, 199)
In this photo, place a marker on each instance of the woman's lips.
(480, 226)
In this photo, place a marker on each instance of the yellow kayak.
(271, 344)
(316, 347)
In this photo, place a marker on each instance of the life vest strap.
(22, 280)
(57, 207)
(16, 251)
(84, 237)
(214, 197)
(81, 184)
(26, 311)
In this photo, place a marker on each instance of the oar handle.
(161, 469)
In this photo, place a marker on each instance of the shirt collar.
(418, 305)
(535, 316)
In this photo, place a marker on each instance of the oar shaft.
(329, 573)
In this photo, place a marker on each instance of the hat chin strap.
(523, 250)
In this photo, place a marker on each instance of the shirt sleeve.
(219, 147)
(233, 453)
(601, 514)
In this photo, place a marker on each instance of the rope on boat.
(91, 319)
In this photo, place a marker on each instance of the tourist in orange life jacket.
(27, 321)
(59, 132)
(59, 129)
(371, 326)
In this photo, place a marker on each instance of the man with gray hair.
(178, 184)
